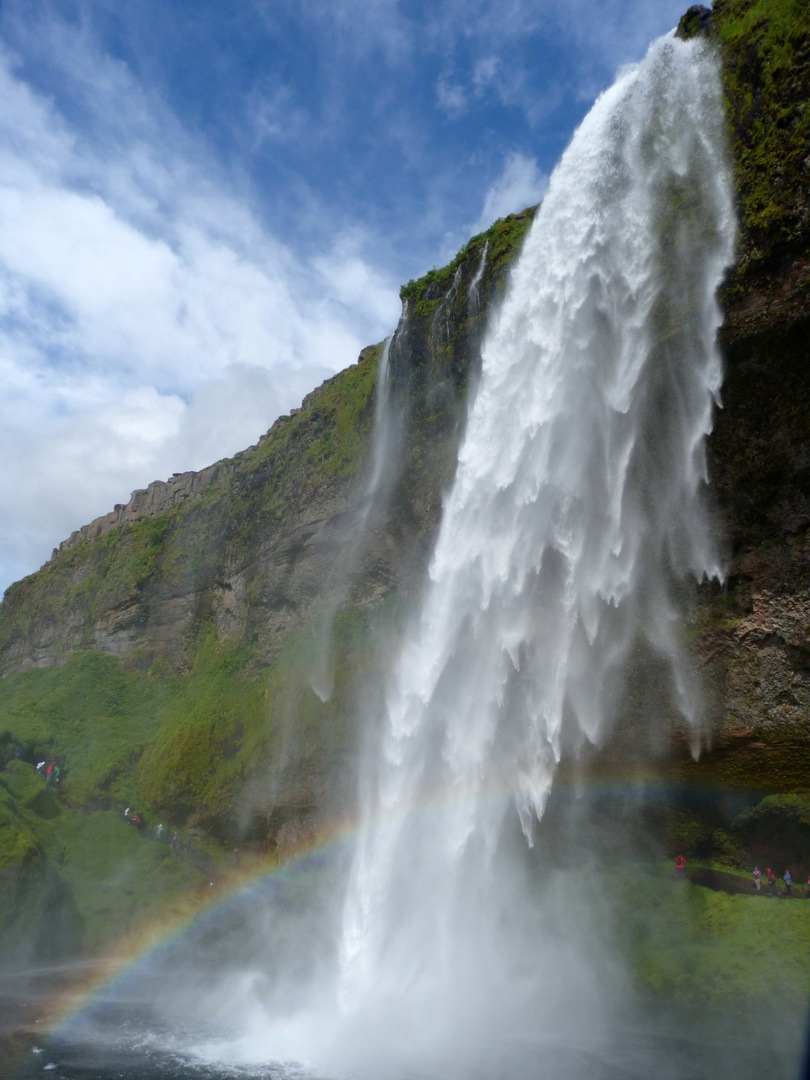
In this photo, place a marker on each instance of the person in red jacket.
(680, 867)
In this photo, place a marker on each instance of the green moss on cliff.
(18, 841)
(757, 762)
(184, 746)
(504, 239)
(766, 72)
(192, 765)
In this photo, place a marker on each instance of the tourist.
(159, 831)
(771, 881)
(757, 876)
(788, 880)
(680, 867)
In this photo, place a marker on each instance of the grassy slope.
(709, 950)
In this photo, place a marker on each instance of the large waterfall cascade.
(577, 516)
(577, 510)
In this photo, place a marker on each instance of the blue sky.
(207, 207)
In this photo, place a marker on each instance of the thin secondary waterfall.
(577, 511)
(440, 329)
(473, 295)
(385, 434)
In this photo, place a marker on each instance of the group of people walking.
(771, 880)
(137, 820)
(50, 771)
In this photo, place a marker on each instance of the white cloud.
(451, 98)
(148, 322)
(138, 286)
(273, 114)
(485, 71)
(520, 184)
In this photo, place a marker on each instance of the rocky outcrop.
(696, 21)
(157, 498)
(754, 635)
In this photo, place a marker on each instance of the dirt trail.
(734, 885)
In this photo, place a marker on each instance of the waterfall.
(576, 521)
(382, 429)
(577, 513)
(473, 294)
(441, 327)
(385, 434)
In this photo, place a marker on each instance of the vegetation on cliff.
(766, 68)
(502, 239)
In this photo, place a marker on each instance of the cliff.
(220, 622)
(199, 651)
(755, 637)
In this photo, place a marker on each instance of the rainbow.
(239, 886)
(243, 884)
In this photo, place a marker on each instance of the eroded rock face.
(697, 21)
(161, 495)
(753, 638)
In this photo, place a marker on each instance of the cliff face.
(258, 544)
(755, 637)
(221, 622)
(247, 602)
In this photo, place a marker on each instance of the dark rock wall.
(754, 636)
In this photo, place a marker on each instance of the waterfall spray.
(576, 518)
(577, 510)
(385, 435)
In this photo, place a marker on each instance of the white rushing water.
(576, 516)
(577, 509)
(473, 294)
